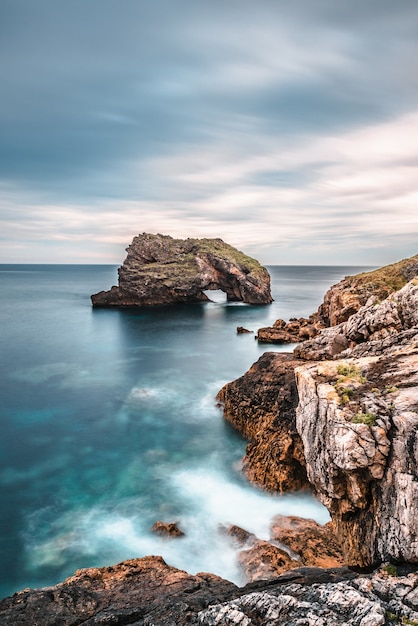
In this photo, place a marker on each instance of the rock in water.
(161, 270)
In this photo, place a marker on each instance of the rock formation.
(148, 592)
(261, 406)
(343, 300)
(161, 270)
(357, 418)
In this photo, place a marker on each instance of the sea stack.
(160, 270)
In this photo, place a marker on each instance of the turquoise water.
(109, 423)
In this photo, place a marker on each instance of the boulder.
(160, 270)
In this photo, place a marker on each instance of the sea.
(109, 422)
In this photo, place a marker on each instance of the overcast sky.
(289, 128)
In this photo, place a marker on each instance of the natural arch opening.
(216, 295)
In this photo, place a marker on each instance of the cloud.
(286, 128)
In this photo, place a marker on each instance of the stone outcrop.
(148, 592)
(311, 543)
(373, 323)
(294, 541)
(358, 422)
(160, 270)
(354, 601)
(357, 418)
(261, 406)
(342, 300)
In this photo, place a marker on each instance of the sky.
(287, 128)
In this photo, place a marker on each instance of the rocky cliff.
(161, 270)
(356, 415)
(342, 300)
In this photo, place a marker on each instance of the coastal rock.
(312, 543)
(160, 270)
(138, 591)
(261, 405)
(358, 422)
(148, 592)
(342, 301)
(373, 323)
(167, 529)
(357, 601)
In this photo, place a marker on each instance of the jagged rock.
(242, 331)
(148, 592)
(161, 270)
(138, 591)
(374, 322)
(312, 543)
(261, 406)
(359, 433)
(167, 529)
(361, 601)
(263, 561)
(341, 301)
(294, 331)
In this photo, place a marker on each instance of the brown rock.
(140, 591)
(261, 406)
(167, 529)
(242, 331)
(264, 560)
(314, 544)
(161, 270)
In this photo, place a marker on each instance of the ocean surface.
(109, 423)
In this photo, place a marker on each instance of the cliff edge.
(161, 270)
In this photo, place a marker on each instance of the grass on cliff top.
(228, 252)
(387, 279)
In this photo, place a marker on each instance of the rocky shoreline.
(339, 417)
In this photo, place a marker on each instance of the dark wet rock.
(160, 270)
(261, 405)
(242, 331)
(167, 529)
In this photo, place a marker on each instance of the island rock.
(160, 270)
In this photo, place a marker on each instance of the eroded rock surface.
(361, 601)
(358, 422)
(261, 405)
(342, 301)
(161, 270)
(139, 591)
(148, 592)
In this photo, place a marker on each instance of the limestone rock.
(342, 301)
(161, 270)
(375, 322)
(360, 441)
(261, 405)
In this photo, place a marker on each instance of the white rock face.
(365, 473)
(366, 601)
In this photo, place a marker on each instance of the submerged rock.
(161, 270)
(167, 529)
